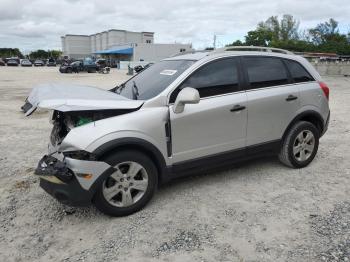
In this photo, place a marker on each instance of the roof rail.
(254, 48)
(190, 52)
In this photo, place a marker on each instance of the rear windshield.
(153, 80)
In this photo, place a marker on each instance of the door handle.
(237, 108)
(291, 98)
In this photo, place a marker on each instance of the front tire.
(130, 187)
(300, 145)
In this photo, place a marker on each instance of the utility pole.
(214, 42)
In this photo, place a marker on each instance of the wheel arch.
(311, 116)
(138, 144)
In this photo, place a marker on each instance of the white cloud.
(40, 23)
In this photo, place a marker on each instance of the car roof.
(201, 55)
(207, 56)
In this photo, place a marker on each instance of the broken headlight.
(80, 155)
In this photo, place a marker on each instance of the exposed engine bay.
(63, 122)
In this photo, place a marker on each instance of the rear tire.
(300, 145)
(130, 187)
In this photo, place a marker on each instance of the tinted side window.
(265, 71)
(298, 72)
(216, 78)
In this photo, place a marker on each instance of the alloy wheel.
(126, 185)
(304, 145)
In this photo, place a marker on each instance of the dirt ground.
(257, 211)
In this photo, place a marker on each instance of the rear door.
(218, 123)
(273, 99)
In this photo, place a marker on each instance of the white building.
(120, 45)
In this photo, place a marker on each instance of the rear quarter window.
(298, 72)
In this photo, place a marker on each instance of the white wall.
(147, 36)
(77, 45)
(63, 43)
(156, 52)
(104, 40)
(115, 37)
(93, 43)
(98, 42)
(133, 37)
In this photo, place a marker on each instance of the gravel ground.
(256, 211)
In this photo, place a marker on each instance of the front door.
(218, 123)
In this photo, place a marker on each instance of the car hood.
(66, 98)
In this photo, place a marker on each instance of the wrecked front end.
(68, 172)
(70, 176)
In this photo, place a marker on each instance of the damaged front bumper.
(71, 181)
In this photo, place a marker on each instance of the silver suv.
(185, 114)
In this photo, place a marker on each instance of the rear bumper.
(72, 182)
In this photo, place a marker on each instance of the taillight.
(325, 89)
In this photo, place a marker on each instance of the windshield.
(152, 81)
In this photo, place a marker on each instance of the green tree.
(259, 37)
(324, 31)
(39, 54)
(42, 54)
(55, 53)
(272, 32)
(237, 43)
(280, 30)
(285, 34)
(10, 52)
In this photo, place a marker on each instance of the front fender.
(122, 138)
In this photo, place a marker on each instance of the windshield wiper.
(117, 89)
(135, 90)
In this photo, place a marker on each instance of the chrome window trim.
(210, 97)
(270, 87)
(230, 55)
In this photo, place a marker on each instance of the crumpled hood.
(66, 98)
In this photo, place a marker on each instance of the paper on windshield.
(168, 72)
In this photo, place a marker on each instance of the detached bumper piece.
(49, 167)
(26, 106)
(59, 181)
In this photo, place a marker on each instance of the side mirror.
(188, 95)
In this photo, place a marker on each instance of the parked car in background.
(101, 63)
(89, 65)
(39, 62)
(139, 68)
(51, 62)
(12, 62)
(26, 62)
(12, 58)
(102, 66)
(76, 66)
(86, 65)
(2, 62)
(185, 114)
